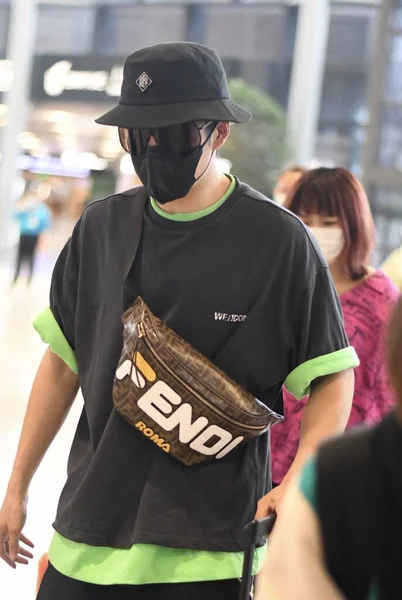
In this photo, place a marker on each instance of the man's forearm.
(325, 415)
(53, 392)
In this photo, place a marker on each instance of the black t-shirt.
(247, 287)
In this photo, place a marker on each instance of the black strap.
(253, 533)
(138, 199)
(134, 225)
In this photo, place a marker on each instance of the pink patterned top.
(366, 309)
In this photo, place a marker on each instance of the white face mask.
(331, 241)
(280, 198)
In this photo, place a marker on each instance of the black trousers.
(26, 254)
(56, 586)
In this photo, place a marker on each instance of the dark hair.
(337, 193)
(394, 353)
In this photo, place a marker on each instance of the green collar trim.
(199, 214)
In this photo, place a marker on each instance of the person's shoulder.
(110, 217)
(279, 223)
(265, 207)
(387, 288)
(112, 214)
(272, 214)
(377, 294)
(121, 202)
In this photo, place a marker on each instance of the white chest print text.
(229, 318)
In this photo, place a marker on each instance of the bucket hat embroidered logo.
(144, 81)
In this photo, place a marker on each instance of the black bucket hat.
(173, 83)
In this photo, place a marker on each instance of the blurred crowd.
(338, 529)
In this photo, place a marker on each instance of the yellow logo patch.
(154, 437)
(144, 367)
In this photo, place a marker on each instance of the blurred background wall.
(76, 72)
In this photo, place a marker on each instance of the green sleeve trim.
(299, 381)
(51, 333)
(308, 483)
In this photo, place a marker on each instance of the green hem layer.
(145, 564)
(299, 381)
(199, 214)
(51, 333)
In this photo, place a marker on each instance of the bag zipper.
(142, 335)
(194, 375)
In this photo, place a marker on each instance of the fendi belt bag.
(177, 398)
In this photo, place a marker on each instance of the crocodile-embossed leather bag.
(177, 398)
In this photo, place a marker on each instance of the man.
(237, 277)
(286, 181)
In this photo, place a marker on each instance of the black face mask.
(167, 177)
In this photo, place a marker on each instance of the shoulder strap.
(137, 197)
(123, 214)
(344, 486)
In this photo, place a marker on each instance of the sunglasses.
(177, 139)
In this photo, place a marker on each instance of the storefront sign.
(84, 78)
(61, 77)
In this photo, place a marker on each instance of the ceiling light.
(58, 116)
(40, 152)
(93, 162)
(69, 158)
(83, 160)
(61, 128)
(28, 141)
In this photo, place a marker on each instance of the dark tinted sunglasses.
(175, 139)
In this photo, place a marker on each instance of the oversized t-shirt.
(246, 285)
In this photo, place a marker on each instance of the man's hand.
(325, 415)
(271, 503)
(53, 393)
(12, 541)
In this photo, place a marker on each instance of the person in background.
(334, 206)
(393, 267)
(34, 219)
(339, 533)
(287, 179)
